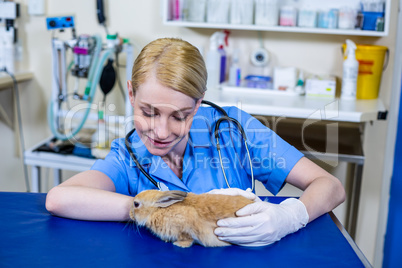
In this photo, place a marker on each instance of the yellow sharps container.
(371, 64)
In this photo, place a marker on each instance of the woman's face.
(162, 116)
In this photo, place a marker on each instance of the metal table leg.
(353, 209)
(57, 176)
(35, 179)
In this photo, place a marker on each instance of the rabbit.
(184, 218)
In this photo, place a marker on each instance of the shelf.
(6, 81)
(254, 27)
(354, 111)
(259, 91)
(275, 28)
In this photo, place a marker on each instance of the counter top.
(6, 81)
(355, 111)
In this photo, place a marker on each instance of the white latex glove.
(236, 191)
(263, 223)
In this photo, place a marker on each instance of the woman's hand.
(262, 223)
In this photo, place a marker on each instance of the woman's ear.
(198, 104)
(130, 92)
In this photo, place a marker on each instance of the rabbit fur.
(184, 218)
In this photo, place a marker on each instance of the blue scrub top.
(272, 158)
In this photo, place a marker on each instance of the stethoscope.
(161, 186)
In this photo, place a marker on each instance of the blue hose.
(94, 64)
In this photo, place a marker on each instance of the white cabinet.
(319, 4)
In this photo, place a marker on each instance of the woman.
(174, 142)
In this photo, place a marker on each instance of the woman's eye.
(148, 114)
(136, 204)
(180, 118)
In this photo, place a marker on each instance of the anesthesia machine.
(92, 62)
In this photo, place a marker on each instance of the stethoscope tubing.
(134, 158)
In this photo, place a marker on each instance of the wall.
(141, 22)
(392, 247)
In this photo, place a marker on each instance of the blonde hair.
(176, 63)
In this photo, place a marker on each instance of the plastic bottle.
(300, 83)
(213, 61)
(223, 64)
(235, 71)
(266, 12)
(100, 137)
(223, 42)
(179, 9)
(350, 72)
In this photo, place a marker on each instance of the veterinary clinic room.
(209, 133)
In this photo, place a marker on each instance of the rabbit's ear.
(170, 197)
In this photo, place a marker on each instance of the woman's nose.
(161, 129)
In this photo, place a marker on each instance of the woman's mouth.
(160, 144)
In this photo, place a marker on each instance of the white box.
(285, 78)
(321, 86)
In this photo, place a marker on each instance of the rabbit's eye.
(136, 204)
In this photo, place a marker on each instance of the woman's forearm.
(321, 196)
(85, 203)
(322, 192)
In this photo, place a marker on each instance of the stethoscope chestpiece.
(162, 187)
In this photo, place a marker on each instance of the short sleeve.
(115, 166)
(272, 157)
